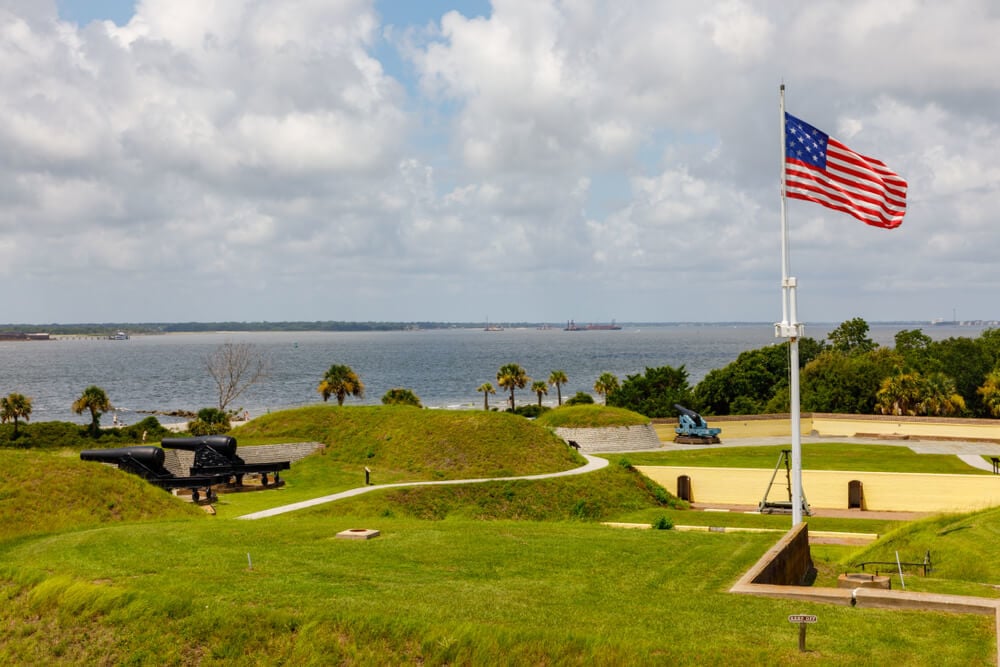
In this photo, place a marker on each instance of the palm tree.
(990, 391)
(900, 394)
(941, 399)
(558, 379)
(540, 387)
(510, 377)
(340, 381)
(13, 408)
(96, 401)
(606, 385)
(487, 389)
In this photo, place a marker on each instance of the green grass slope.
(601, 495)
(52, 491)
(590, 416)
(406, 443)
(963, 548)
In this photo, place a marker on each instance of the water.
(443, 367)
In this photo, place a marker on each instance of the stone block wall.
(179, 462)
(612, 439)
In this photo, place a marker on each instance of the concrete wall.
(787, 563)
(883, 491)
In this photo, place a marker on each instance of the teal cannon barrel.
(147, 456)
(222, 444)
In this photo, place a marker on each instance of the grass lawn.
(98, 567)
(815, 456)
(443, 592)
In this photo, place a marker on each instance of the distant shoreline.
(105, 329)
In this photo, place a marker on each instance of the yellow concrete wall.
(883, 491)
(762, 426)
(733, 427)
(971, 429)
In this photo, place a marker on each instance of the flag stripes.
(820, 169)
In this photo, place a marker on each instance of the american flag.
(820, 169)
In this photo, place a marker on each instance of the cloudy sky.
(517, 160)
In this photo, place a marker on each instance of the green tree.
(851, 337)
(540, 387)
(967, 362)
(487, 389)
(606, 385)
(510, 377)
(913, 345)
(990, 393)
(400, 396)
(845, 383)
(653, 393)
(340, 381)
(557, 379)
(15, 407)
(96, 401)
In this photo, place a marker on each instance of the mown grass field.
(505, 572)
(815, 456)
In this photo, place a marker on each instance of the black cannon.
(146, 461)
(216, 455)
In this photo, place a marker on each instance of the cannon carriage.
(215, 463)
(692, 429)
(147, 461)
(216, 455)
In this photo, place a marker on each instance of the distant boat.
(120, 335)
(603, 327)
(492, 327)
(572, 326)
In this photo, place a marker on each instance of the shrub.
(400, 396)
(663, 523)
(531, 411)
(579, 398)
(210, 421)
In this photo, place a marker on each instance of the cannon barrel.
(223, 444)
(147, 455)
(686, 411)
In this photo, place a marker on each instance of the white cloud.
(589, 153)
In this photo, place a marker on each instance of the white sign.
(801, 618)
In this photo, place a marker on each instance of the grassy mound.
(402, 442)
(48, 491)
(962, 548)
(598, 496)
(590, 416)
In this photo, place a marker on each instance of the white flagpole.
(790, 328)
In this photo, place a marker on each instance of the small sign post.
(802, 620)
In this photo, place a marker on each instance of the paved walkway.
(593, 463)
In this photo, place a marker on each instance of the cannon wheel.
(195, 496)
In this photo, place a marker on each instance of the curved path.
(593, 463)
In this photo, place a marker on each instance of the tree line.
(845, 373)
